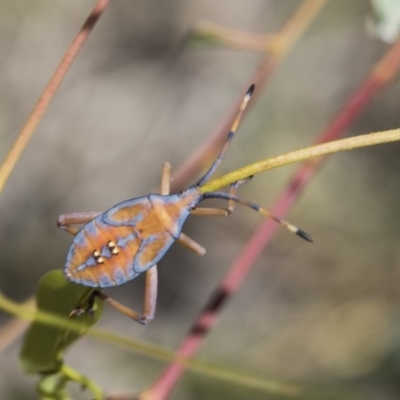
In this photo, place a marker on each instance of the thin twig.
(49, 91)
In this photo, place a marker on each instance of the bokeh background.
(324, 315)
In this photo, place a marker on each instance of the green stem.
(319, 150)
(72, 375)
(150, 350)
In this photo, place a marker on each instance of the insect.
(130, 238)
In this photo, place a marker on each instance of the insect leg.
(183, 239)
(210, 212)
(223, 212)
(150, 300)
(190, 244)
(118, 306)
(86, 304)
(150, 295)
(233, 190)
(128, 312)
(149, 307)
(65, 221)
(165, 178)
(77, 311)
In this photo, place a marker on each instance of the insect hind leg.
(149, 306)
(65, 221)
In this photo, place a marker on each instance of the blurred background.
(325, 315)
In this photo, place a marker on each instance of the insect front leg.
(65, 221)
(222, 212)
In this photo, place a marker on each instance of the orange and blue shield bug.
(130, 238)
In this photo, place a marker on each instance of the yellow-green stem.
(319, 150)
(150, 350)
(75, 376)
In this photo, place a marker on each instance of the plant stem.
(307, 153)
(48, 93)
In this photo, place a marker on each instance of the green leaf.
(44, 346)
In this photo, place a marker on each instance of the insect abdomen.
(101, 255)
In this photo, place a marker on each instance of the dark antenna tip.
(304, 235)
(251, 90)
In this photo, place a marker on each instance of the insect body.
(130, 238)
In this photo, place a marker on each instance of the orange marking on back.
(130, 212)
(87, 274)
(152, 249)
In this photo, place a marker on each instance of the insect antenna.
(231, 133)
(259, 209)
